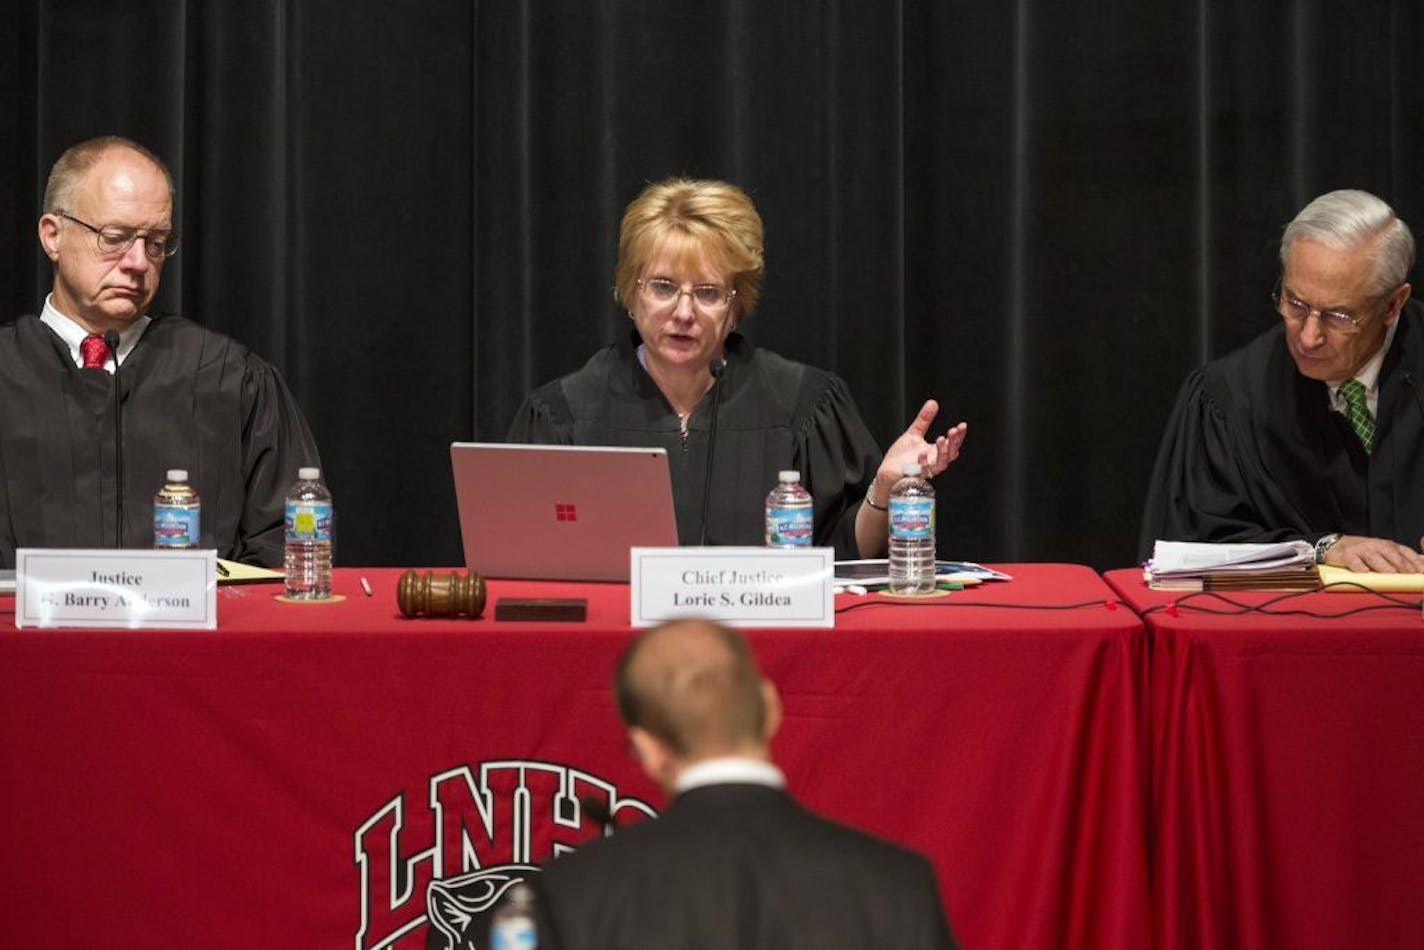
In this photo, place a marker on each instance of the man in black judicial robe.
(190, 398)
(734, 863)
(1269, 444)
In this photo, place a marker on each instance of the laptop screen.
(558, 512)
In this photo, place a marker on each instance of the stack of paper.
(876, 572)
(1185, 565)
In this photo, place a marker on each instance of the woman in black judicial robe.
(690, 268)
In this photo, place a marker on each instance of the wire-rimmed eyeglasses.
(117, 239)
(709, 298)
(1296, 310)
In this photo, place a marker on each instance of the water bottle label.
(308, 521)
(788, 527)
(175, 527)
(912, 519)
(514, 935)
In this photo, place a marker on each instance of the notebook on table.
(559, 512)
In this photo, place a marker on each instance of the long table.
(317, 775)
(1287, 762)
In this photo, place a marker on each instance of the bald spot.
(124, 185)
(694, 685)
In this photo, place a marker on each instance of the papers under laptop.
(876, 572)
(558, 512)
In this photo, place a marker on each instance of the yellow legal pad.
(1369, 580)
(245, 573)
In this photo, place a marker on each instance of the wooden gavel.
(441, 594)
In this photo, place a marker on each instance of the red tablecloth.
(301, 775)
(1287, 753)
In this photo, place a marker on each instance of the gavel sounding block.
(559, 609)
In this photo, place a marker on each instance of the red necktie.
(94, 351)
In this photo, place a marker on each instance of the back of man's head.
(694, 685)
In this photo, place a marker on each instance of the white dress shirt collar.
(72, 333)
(1368, 377)
(730, 770)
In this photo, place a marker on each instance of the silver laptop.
(559, 512)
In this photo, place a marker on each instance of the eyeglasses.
(709, 298)
(1298, 311)
(116, 239)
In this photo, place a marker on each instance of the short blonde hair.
(699, 219)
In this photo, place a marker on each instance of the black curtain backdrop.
(1042, 213)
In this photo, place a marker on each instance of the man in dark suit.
(734, 862)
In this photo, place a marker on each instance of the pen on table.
(366, 586)
(222, 571)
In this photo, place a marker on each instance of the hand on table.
(1356, 553)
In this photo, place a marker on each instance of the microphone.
(717, 368)
(598, 810)
(1418, 400)
(111, 340)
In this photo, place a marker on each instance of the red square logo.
(565, 512)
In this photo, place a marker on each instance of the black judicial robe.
(775, 414)
(191, 398)
(1253, 452)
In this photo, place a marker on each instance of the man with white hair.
(1315, 429)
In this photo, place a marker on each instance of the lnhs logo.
(565, 512)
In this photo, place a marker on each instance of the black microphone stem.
(1418, 400)
(111, 340)
(717, 368)
(598, 810)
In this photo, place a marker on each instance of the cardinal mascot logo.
(431, 872)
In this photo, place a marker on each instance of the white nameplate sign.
(745, 587)
(115, 588)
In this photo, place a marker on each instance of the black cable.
(1079, 605)
(1268, 607)
(1232, 607)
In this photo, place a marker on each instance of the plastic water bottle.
(512, 925)
(788, 513)
(912, 533)
(309, 534)
(176, 513)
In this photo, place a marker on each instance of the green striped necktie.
(1357, 410)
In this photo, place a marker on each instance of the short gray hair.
(1347, 218)
(76, 162)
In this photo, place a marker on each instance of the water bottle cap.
(521, 896)
(789, 475)
(910, 469)
(177, 474)
(308, 474)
